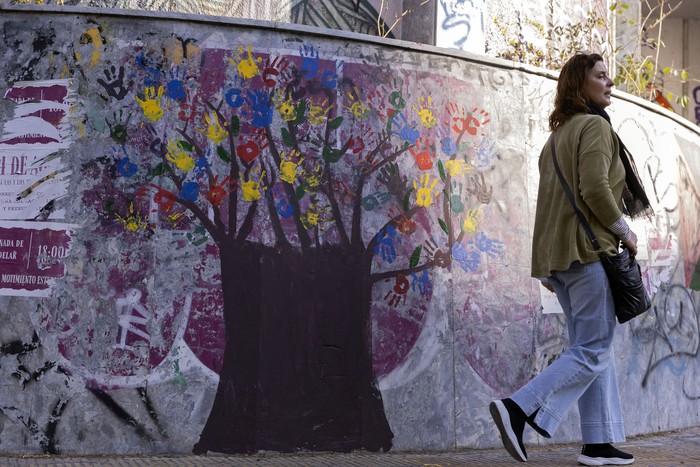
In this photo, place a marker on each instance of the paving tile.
(674, 449)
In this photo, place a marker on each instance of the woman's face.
(598, 85)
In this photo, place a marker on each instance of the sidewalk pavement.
(673, 449)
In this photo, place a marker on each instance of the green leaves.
(330, 154)
(441, 171)
(415, 257)
(158, 170)
(223, 154)
(335, 123)
(287, 137)
(185, 145)
(235, 125)
(443, 226)
(300, 112)
(407, 199)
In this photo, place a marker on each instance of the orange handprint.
(467, 122)
(424, 158)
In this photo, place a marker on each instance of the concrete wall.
(231, 236)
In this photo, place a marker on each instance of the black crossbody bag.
(623, 271)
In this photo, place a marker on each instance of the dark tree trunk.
(297, 370)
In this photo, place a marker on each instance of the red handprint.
(273, 68)
(424, 158)
(218, 191)
(344, 194)
(163, 198)
(398, 291)
(251, 149)
(403, 224)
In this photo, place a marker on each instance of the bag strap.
(584, 223)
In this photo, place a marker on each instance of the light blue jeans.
(585, 372)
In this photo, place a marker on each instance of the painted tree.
(298, 169)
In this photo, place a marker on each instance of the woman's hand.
(631, 244)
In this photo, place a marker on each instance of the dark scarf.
(634, 198)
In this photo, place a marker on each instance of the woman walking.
(602, 176)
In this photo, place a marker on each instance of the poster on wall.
(32, 175)
(32, 178)
(31, 256)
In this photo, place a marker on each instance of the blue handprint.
(493, 248)
(403, 129)
(485, 152)
(190, 191)
(385, 244)
(447, 144)
(262, 110)
(309, 62)
(175, 86)
(201, 165)
(284, 209)
(234, 97)
(422, 282)
(152, 77)
(468, 260)
(456, 203)
(125, 167)
(329, 79)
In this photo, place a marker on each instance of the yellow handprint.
(288, 168)
(251, 189)
(313, 176)
(471, 222)
(285, 107)
(133, 220)
(317, 113)
(247, 67)
(309, 219)
(151, 103)
(357, 107)
(215, 132)
(427, 119)
(179, 157)
(316, 216)
(424, 194)
(457, 167)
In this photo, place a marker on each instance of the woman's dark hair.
(571, 98)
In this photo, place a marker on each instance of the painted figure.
(132, 318)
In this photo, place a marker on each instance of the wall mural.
(238, 240)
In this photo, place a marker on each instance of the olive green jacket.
(588, 155)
